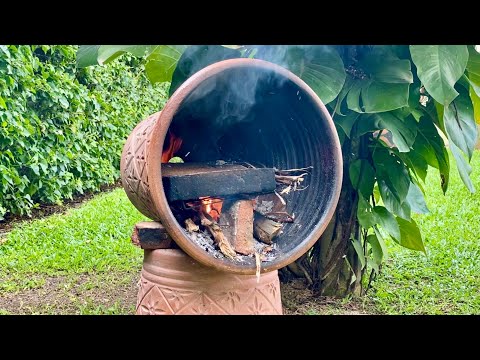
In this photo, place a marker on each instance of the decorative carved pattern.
(134, 171)
(154, 298)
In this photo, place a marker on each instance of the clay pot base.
(173, 283)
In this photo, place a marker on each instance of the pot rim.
(154, 170)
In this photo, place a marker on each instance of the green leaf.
(384, 85)
(357, 245)
(383, 246)
(473, 66)
(410, 236)
(362, 176)
(35, 169)
(365, 214)
(431, 147)
(380, 97)
(2, 103)
(162, 61)
(476, 105)
(460, 125)
(87, 55)
(319, 66)
(392, 172)
(416, 163)
(397, 207)
(464, 169)
(387, 221)
(195, 58)
(377, 252)
(403, 131)
(108, 53)
(346, 121)
(439, 67)
(353, 97)
(416, 200)
(63, 101)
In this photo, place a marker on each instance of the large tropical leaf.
(162, 61)
(362, 176)
(319, 66)
(404, 130)
(381, 82)
(431, 147)
(393, 182)
(473, 68)
(464, 168)
(439, 67)
(87, 55)
(195, 58)
(410, 236)
(416, 200)
(387, 221)
(107, 53)
(365, 214)
(460, 124)
(377, 251)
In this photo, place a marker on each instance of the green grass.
(85, 257)
(447, 280)
(93, 238)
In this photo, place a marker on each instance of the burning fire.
(208, 205)
(212, 206)
(174, 144)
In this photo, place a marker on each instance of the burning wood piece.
(237, 221)
(219, 237)
(190, 181)
(190, 226)
(265, 229)
(151, 235)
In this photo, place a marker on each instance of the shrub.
(62, 128)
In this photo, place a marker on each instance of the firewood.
(281, 217)
(151, 235)
(272, 202)
(218, 236)
(265, 229)
(236, 221)
(191, 226)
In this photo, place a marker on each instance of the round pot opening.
(252, 111)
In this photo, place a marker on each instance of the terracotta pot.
(248, 110)
(174, 283)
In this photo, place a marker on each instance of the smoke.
(227, 105)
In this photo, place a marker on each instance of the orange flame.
(211, 206)
(174, 144)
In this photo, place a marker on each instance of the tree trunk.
(332, 267)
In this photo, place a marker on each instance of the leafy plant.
(61, 128)
(391, 105)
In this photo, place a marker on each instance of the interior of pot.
(260, 116)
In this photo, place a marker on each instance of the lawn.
(82, 262)
(446, 280)
(56, 263)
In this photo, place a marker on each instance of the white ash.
(264, 207)
(206, 242)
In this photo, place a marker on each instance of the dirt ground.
(117, 294)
